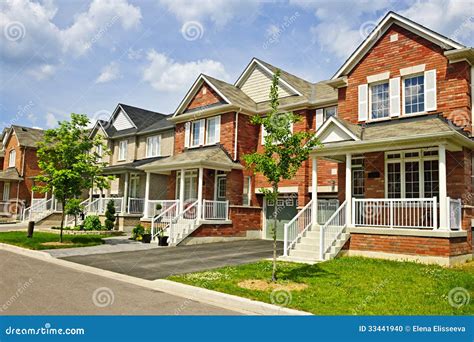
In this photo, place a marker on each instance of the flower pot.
(162, 240)
(146, 238)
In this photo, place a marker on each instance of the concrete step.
(304, 254)
(306, 247)
(312, 234)
(308, 241)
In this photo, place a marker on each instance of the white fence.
(136, 205)
(454, 213)
(215, 210)
(185, 223)
(165, 204)
(296, 227)
(395, 213)
(332, 229)
(325, 209)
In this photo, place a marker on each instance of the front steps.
(306, 248)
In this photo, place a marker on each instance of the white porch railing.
(395, 213)
(296, 227)
(183, 224)
(165, 204)
(165, 217)
(215, 210)
(39, 210)
(70, 220)
(136, 205)
(325, 209)
(455, 213)
(332, 229)
(99, 205)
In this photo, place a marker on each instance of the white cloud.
(43, 71)
(29, 34)
(109, 73)
(51, 120)
(165, 74)
(220, 12)
(133, 54)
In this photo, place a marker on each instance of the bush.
(92, 223)
(137, 232)
(110, 215)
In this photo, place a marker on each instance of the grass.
(351, 286)
(39, 239)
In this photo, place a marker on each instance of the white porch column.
(200, 181)
(125, 194)
(349, 189)
(147, 194)
(181, 192)
(443, 194)
(314, 190)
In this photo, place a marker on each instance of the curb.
(219, 299)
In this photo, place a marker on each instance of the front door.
(221, 187)
(286, 207)
(6, 191)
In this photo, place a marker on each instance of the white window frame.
(325, 117)
(155, 149)
(216, 130)
(191, 134)
(369, 110)
(12, 158)
(248, 184)
(403, 94)
(122, 150)
(401, 160)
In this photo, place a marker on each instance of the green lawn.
(39, 239)
(351, 286)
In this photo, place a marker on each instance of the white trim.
(369, 101)
(125, 151)
(333, 120)
(416, 69)
(379, 77)
(192, 92)
(148, 153)
(381, 28)
(243, 77)
(12, 161)
(403, 113)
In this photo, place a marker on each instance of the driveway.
(163, 262)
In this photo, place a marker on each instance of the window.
(153, 146)
(414, 94)
(6, 191)
(379, 101)
(195, 133)
(212, 130)
(11, 158)
(358, 175)
(330, 112)
(412, 174)
(247, 190)
(134, 185)
(99, 153)
(123, 146)
(190, 184)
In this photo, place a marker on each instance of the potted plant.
(162, 239)
(138, 232)
(146, 236)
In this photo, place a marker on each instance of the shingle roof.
(28, 137)
(144, 120)
(130, 166)
(233, 94)
(10, 174)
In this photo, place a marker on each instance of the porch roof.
(10, 174)
(340, 136)
(212, 157)
(133, 166)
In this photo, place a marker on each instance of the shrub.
(92, 223)
(110, 215)
(137, 232)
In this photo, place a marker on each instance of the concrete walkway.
(158, 263)
(114, 244)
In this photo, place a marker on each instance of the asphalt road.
(30, 286)
(163, 262)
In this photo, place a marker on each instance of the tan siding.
(130, 152)
(257, 86)
(167, 144)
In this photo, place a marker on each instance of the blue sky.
(63, 56)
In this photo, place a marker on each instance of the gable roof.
(26, 136)
(389, 19)
(143, 120)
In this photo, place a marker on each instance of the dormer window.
(11, 158)
(379, 101)
(122, 153)
(414, 88)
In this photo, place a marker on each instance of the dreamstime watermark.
(20, 290)
(464, 28)
(366, 29)
(458, 297)
(281, 297)
(192, 30)
(14, 31)
(374, 293)
(277, 31)
(47, 329)
(22, 110)
(103, 116)
(11, 207)
(103, 297)
(102, 31)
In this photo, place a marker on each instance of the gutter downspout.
(236, 132)
(23, 176)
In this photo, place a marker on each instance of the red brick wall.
(413, 245)
(243, 219)
(204, 97)
(453, 80)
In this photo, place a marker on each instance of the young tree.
(74, 208)
(68, 161)
(283, 152)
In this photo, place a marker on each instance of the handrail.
(322, 248)
(174, 234)
(295, 235)
(160, 216)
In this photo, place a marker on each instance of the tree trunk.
(275, 214)
(62, 221)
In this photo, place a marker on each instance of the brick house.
(403, 141)
(217, 197)
(19, 167)
(134, 137)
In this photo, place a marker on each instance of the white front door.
(6, 191)
(134, 186)
(221, 188)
